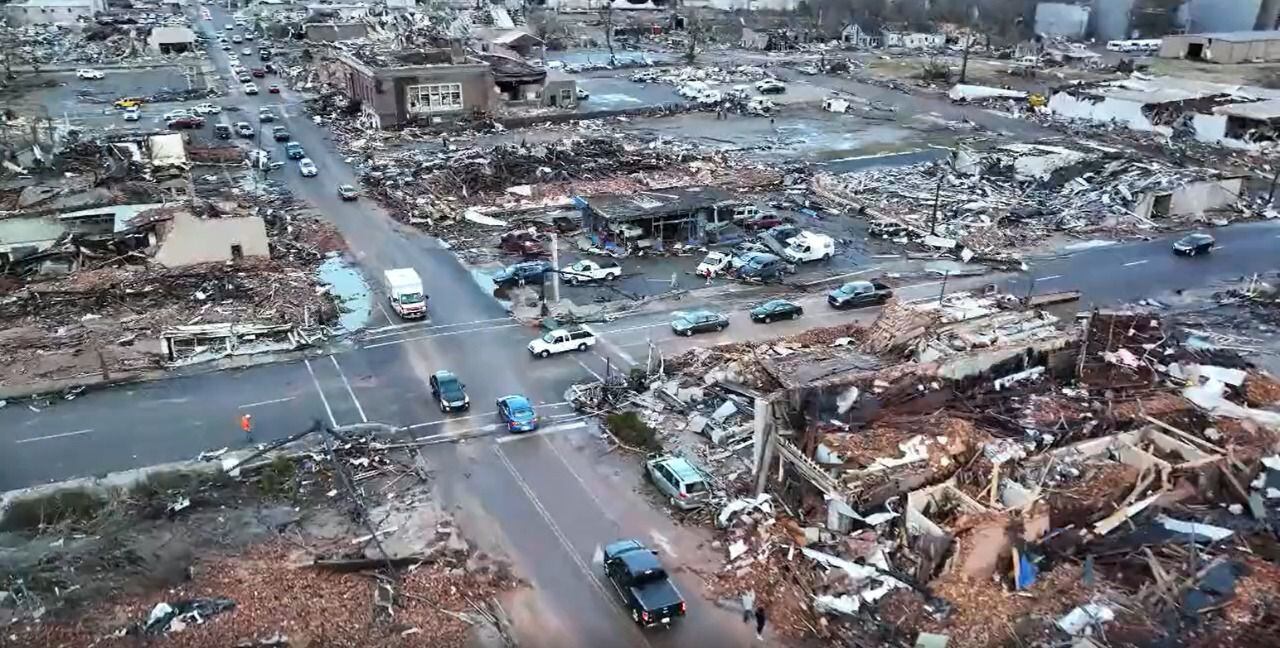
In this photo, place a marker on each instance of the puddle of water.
(349, 289)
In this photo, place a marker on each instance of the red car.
(762, 222)
(274, 88)
(187, 122)
(258, 72)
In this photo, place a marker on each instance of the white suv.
(89, 73)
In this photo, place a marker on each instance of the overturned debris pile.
(1018, 194)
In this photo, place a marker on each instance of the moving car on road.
(250, 89)
(132, 114)
(859, 293)
(449, 392)
(294, 151)
(776, 309)
(174, 114)
(771, 86)
(258, 72)
(187, 121)
(1193, 244)
(684, 486)
(128, 102)
(280, 134)
(699, 321)
(577, 338)
(308, 168)
(246, 51)
(638, 577)
(222, 131)
(266, 115)
(274, 88)
(207, 109)
(347, 192)
(243, 77)
(516, 412)
(89, 74)
(583, 95)
(243, 129)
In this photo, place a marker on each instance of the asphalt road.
(544, 500)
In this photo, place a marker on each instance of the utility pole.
(1271, 193)
(933, 218)
(555, 268)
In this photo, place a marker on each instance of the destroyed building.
(1215, 113)
(171, 40)
(52, 12)
(1224, 47)
(651, 218)
(419, 85)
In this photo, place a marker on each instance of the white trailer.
(808, 246)
(404, 291)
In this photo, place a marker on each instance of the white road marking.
(590, 371)
(555, 528)
(350, 392)
(565, 427)
(54, 436)
(843, 276)
(1134, 263)
(1049, 278)
(633, 328)
(266, 402)
(314, 381)
(581, 482)
(435, 335)
(662, 541)
(425, 324)
(386, 315)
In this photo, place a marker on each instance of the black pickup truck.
(643, 584)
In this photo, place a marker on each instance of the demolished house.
(1213, 113)
(648, 219)
(954, 463)
(988, 201)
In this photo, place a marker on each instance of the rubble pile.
(275, 551)
(437, 187)
(1013, 196)
(95, 44)
(710, 75)
(1119, 476)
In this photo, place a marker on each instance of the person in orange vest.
(246, 424)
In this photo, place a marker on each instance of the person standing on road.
(760, 620)
(246, 424)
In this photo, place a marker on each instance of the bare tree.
(696, 32)
(606, 16)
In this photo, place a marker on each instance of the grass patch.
(75, 506)
(633, 431)
(276, 477)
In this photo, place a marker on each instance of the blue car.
(517, 413)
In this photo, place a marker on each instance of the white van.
(808, 246)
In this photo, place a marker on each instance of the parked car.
(577, 338)
(187, 121)
(1193, 244)
(784, 232)
(699, 321)
(174, 114)
(258, 72)
(640, 580)
(522, 273)
(243, 129)
(222, 131)
(859, 293)
(294, 151)
(747, 258)
(132, 114)
(449, 392)
(280, 134)
(266, 115)
(90, 74)
(128, 102)
(243, 77)
(714, 263)
(208, 109)
(583, 95)
(246, 51)
(586, 271)
(516, 412)
(250, 89)
(684, 486)
(762, 221)
(226, 47)
(776, 309)
(236, 38)
(524, 243)
(274, 88)
(347, 192)
(308, 168)
(771, 86)
(764, 266)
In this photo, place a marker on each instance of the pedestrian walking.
(748, 606)
(246, 424)
(760, 620)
